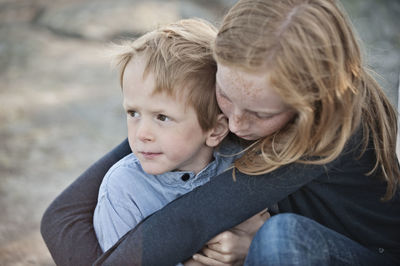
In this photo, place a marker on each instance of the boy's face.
(163, 133)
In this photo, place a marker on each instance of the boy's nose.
(143, 133)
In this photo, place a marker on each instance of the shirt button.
(185, 177)
(381, 250)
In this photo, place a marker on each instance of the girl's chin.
(248, 137)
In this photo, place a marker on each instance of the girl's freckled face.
(253, 108)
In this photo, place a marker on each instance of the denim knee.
(290, 239)
(282, 228)
(285, 239)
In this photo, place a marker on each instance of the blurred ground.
(60, 102)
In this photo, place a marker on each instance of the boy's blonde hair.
(313, 60)
(179, 56)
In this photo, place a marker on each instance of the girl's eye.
(162, 117)
(222, 95)
(264, 116)
(133, 114)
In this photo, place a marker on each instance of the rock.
(105, 20)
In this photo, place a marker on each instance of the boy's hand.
(231, 247)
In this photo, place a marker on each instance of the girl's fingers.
(222, 257)
(208, 261)
(217, 246)
(215, 239)
(223, 242)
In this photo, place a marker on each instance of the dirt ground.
(60, 104)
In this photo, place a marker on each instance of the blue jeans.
(291, 239)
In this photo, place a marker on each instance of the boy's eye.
(133, 114)
(162, 117)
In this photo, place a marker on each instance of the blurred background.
(60, 102)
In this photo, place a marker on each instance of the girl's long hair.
(311, 54)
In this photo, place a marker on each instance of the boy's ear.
(218, 132)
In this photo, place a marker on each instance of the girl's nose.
(236, 123)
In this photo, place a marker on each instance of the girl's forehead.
(250, 90)
(249, 81)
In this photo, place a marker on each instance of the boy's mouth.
(149, 155)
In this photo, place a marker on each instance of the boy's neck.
(206, 157)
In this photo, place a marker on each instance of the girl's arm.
(182, 228)
(67, 224)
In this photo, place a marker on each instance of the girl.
(290, 78)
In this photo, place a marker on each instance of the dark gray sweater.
(338, 195)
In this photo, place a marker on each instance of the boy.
(174, 123)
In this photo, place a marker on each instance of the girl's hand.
(192, 262)
(231, 247)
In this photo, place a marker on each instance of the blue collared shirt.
(127, 194)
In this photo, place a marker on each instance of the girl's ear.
(218, 132)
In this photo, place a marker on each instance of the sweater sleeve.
(181, 228)
(67, 224)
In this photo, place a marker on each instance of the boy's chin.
(152, 171)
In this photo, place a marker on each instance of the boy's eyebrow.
(156, 110)
(127, 105)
